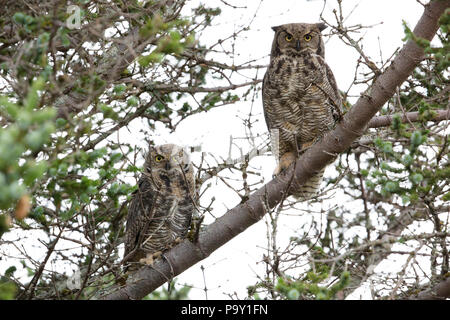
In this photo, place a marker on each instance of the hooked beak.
(172, 163)
(297, 45)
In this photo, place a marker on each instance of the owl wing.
(330, 89)
(140, 213)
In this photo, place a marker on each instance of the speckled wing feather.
(140, 213)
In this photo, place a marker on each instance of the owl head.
(296, 38)
(167, 158)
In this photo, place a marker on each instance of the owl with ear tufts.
(161, 209)
(301, 100)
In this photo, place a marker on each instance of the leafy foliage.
(396, 183)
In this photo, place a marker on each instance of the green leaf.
(132, 101)
(4, 223)
(34, 171)
(60, 122)
(119, 89)
(32, 98)
(10, 271)
(154, 57)
(19, 18)
(405, 199)
(84, 198)
(391, 186)
(116, 157)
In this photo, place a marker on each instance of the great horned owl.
(300, 98)
(161, 209)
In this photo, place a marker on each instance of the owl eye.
(307, 37)
(288, 38)
(159, 158)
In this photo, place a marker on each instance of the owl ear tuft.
(321, 26)
(276, 28)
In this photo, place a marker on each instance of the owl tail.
(310, 188)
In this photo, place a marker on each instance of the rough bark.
(268, 196)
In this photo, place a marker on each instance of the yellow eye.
(288, 38)
(159, 158)
(307, 37)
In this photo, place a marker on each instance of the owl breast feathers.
(161, 209)
(300, 97)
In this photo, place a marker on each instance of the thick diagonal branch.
(246, 214)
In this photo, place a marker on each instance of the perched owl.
(160, 211)
(300, 98)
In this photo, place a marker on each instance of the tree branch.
(441, 291)
(116, 59)
(314, 159)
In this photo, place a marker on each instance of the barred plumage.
(160, 211)
(300, 97)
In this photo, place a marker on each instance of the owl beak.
(168, 165)
(297, 45)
